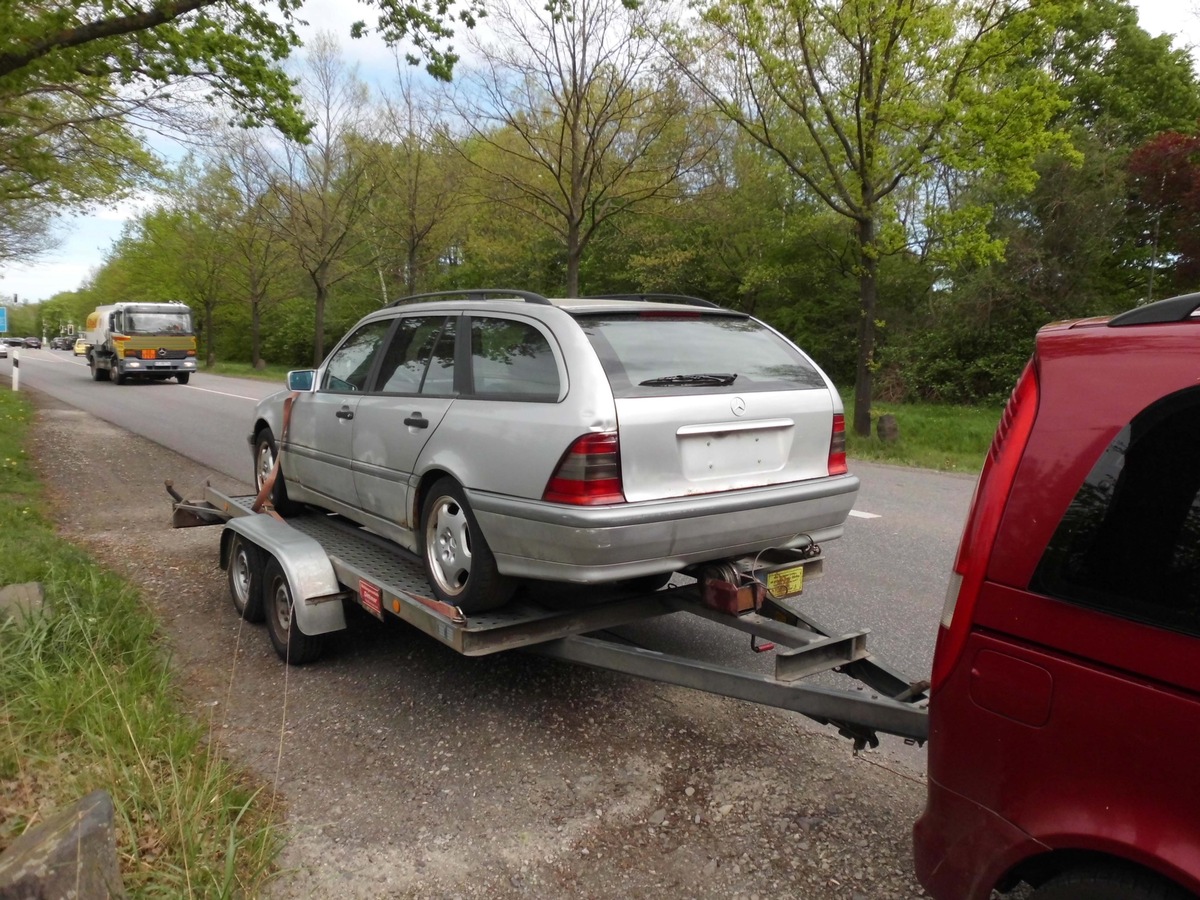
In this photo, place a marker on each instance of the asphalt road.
(887, 574)
(206, 420)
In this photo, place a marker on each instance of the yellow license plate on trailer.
(786, 582)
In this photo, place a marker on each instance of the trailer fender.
(314, 585)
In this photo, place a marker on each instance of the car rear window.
(666, 349)
(1129, 543)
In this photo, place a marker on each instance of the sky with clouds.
(87, 238)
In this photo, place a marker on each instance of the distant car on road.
(81, 346)
(33, 343)
(62, 342)
(14, 342)
(3, 350)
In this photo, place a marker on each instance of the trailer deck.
(561, 622)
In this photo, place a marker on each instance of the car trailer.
(296, 572)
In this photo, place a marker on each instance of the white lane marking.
(863, 515)
(222, 393)
(191, 386)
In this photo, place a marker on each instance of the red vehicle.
(1065, 702)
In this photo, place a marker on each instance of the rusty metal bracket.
(186, 514)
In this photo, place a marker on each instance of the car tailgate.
(674, 446)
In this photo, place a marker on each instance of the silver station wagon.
(501, 435)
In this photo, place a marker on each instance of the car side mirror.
(301, 379)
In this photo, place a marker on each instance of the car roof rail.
(658, 298)
(477, 294)
(1173, 309)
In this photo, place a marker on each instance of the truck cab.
(148, 341)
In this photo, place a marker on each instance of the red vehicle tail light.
(837, 446)
(983, 523)
(589, 473)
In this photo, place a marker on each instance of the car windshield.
(158, 323)
(652, 353)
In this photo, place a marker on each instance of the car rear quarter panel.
(1111, 769)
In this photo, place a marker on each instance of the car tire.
(265, 452)
(293, 646)
(1108, 883)
(183, 377)
(244, 574)
(459, 563)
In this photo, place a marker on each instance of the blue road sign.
(3, 320)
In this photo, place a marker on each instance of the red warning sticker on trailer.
(372, 600)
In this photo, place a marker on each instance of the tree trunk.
(319, 332)
(210, 354)
(255, 331)
(574, 252)
(867, 293)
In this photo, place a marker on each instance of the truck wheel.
(183, 377)
(245, 579)
(98, 374)
(293, 646)
(458, 561)
(114, 374)
(1108, 883)
(264, 461)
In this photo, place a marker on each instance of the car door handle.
(344, 413)
(416, 420)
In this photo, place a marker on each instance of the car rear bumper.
(532, 539)
(961, 850)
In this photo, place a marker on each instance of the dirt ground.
(409, 771)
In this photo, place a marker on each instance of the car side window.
(512, 359)
(350, 365)
(1129, 543)
(420, 357)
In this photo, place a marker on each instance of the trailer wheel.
(293, 646)
(1103, 882)
(245, 579)
(264, 460)
(458, 561)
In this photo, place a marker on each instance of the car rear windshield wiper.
(705, 379)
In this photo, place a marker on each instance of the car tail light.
(589, 473)
(837, 446)
(983, 523)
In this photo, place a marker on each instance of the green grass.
(948, 438)
(87, 701)
(272, 372)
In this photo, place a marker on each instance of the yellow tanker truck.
(141, 340)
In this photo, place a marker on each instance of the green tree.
(861, 97)
(75, 78)
(259, 252)
(324, 188)
(580, 122)
(422, 192)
